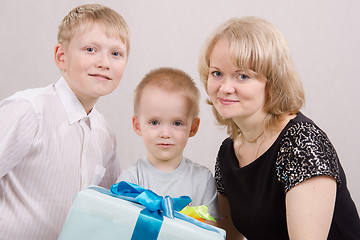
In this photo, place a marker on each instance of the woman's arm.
(226, 223)
(310, 207)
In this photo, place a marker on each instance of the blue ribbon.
(149, 222)
(150, 219)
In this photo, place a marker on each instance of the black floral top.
(256, 192)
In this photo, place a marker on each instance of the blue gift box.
(97, 213)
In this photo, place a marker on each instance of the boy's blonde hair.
(84, 16)
(258, 47)
(169, 80)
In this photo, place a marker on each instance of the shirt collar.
(74, 109)
(178, 170)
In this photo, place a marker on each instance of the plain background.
(324, 38)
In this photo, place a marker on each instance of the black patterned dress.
(256, 192)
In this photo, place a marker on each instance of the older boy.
(53, 141)
(166, 107)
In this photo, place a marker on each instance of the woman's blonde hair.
(79, 18)
(258, 46)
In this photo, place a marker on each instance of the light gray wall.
(324, 37)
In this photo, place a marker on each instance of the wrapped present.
(131, 212)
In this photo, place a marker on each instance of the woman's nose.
(227, 86)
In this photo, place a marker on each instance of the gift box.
(98, 213)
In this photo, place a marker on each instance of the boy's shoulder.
(134, 168)
(143, 167)
(30, 95)
(134, 172)
(195, 166)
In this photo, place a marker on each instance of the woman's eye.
(216, 74)
(242, 77)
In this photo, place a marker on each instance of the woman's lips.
(226, 101)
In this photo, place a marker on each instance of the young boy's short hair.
(79, 18)
(170, 80)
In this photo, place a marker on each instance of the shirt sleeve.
(211, 197)
(112, 170)
(18, 126)
(305, 152)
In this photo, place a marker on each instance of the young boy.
(166, 107)
(53, 141)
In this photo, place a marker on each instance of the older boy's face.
(165, 122)
(93, 63)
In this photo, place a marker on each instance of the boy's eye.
(117, 54)
(89, 49)
(178, 123)
(216, 74)
(154, 122)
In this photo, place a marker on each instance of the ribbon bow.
(155, 208)
(149, 222)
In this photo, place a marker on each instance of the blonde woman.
(278, 175)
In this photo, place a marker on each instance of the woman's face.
(234, 93)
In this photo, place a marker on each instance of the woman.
(278, 172)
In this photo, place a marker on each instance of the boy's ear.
(136, 125)
(194, 127)
(59, 56)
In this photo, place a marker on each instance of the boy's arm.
(211, 198)
(112, 169)
(18, 126)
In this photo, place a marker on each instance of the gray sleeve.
(211, 197)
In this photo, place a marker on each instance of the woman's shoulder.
(303, 129)
(299, 126)
(305, 151)
(226, 148)
(227, 143)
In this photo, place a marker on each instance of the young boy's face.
(92, 64)
(165, 122)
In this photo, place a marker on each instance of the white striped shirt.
(49, 150)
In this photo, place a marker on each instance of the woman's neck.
(252, 128)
